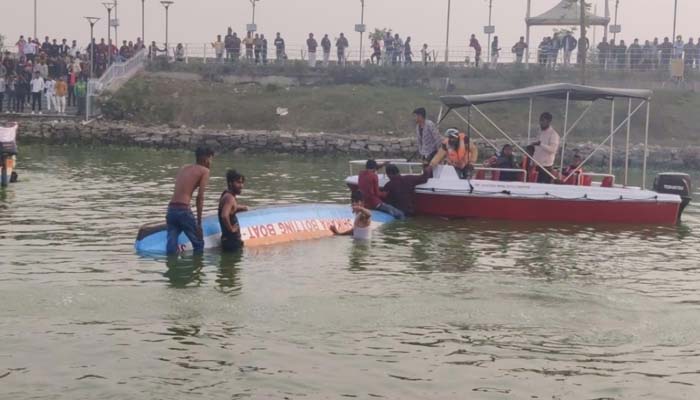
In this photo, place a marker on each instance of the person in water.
(228, 208)
(459, 151)
(361, 227)
(179, 217)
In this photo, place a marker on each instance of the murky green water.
(430, 309)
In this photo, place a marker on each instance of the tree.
(2, 42)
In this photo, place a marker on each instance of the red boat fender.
(480, 175)
(586, 180)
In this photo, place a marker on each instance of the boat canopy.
(555, 91)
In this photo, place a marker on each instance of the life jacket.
(454, 157)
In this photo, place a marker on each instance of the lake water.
(430, 309)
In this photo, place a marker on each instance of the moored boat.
(585, 198)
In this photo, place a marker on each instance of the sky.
(199, 21)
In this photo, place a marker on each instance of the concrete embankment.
(71, 131)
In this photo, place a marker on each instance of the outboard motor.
(675, 183)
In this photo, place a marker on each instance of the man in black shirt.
(228, 44)
(326, 46)
(279, 46)
(311, 45)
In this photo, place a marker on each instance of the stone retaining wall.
(55, 131)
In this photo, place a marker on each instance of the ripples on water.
(431, 309)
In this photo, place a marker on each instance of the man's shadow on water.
(188, 271)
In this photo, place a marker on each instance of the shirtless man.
(179, 217)
(228, 208)
(361, 227)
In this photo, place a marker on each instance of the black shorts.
(231, 244)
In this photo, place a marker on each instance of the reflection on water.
(430, 308)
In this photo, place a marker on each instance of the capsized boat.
(585, 198)
(264, 226)
(8, 154)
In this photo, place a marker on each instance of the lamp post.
(34, 18)
(675, 14)
(143, 22)
(362, 31)
(109, 7)
(488, 40)
(617, 5)
(447, 39)
(166, 4)
(252, 2)
(92, 21)
(116, 23)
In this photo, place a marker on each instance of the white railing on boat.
(402, 164)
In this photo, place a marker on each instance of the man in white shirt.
(546, 148)
(49, 86)
(37, 86)
(30, 50)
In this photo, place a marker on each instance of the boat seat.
(608, 182)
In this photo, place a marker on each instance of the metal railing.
(117, 74)
(461, 55)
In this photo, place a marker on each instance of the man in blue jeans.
(180, 218)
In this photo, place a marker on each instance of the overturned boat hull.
(265, 226)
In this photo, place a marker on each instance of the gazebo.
(566, 13)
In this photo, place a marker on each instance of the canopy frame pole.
(481, 135)
(646, 147)
(606, 139)
(566, 127)
(612, 126)
(573, 126)
(627, 145)
(517, 146)
(529, 121)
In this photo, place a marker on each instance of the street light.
(362, 28)
(143, 22)
(253, 3)
(92, 21)
(617, 5)
(447, 40)
(34, 18)
(109, 7)
(675, 14)
(489, 30)
(166, 4)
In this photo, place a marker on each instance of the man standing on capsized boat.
(179, 217)
(228, 208)
(546, 149)
(428, 136)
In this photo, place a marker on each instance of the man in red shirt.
(400, 189)
(368, 183)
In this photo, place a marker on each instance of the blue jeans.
(182, 220)
(391, 210)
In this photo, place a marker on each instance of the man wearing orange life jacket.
(460, 154)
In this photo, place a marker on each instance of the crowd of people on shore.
(50, 76)
(612, 54)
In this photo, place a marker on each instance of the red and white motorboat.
(585, 201)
